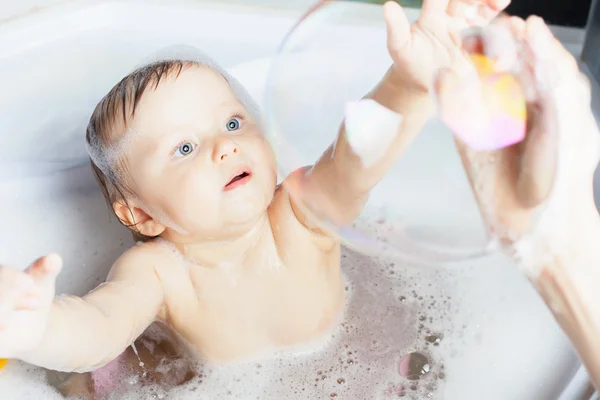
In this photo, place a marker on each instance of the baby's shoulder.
(146, 257)
(292, 225)
(152, 249)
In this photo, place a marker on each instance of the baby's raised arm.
(70, 333)
(337, 186)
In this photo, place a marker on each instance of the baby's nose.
(225, 148)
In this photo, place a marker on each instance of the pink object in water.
(105, 378)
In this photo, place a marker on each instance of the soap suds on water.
(358, 360)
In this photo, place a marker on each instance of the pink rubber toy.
(495, 118)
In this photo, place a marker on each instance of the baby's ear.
(137, 219)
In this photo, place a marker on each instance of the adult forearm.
(570, 287)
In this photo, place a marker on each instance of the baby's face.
(197, 158)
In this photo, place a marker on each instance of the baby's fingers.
(17, 291)
(30, 301)
(45, 269)
(476, 12)
(434, 6)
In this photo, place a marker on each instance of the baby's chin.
(233, 223)
(236, 212)
(245, 216)
(244, 206)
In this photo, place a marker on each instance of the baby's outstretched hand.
(433, 42)
(25, 301)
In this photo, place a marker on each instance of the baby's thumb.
(398, 26)
(44, 270)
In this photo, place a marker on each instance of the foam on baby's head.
(109, 130)
(190, 54)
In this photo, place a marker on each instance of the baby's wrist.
(404, 83)
(402, 96)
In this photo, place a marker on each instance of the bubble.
(421, 209)
(413, 366)
(434, 339)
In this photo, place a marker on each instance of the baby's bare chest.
(235, 309)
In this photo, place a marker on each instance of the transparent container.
(423, 210)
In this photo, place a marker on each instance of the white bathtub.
(54, 67)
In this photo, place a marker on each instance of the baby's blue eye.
(233, 124)
(185, 149)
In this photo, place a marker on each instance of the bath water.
(466, 332)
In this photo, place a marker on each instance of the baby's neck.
(214, 252)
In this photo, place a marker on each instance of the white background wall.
(12, 8)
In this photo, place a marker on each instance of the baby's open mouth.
(238, 180)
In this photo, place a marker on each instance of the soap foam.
(24, 382)
(388, 314)
(371, 128)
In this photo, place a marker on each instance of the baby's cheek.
(192, 200)
(262, 157)
(266, 152)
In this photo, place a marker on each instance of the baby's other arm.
(337, 186)
(339, 183)
(83, 333)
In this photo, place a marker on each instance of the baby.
(227, 259)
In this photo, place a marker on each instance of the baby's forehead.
(194, 84)
(197, 93)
